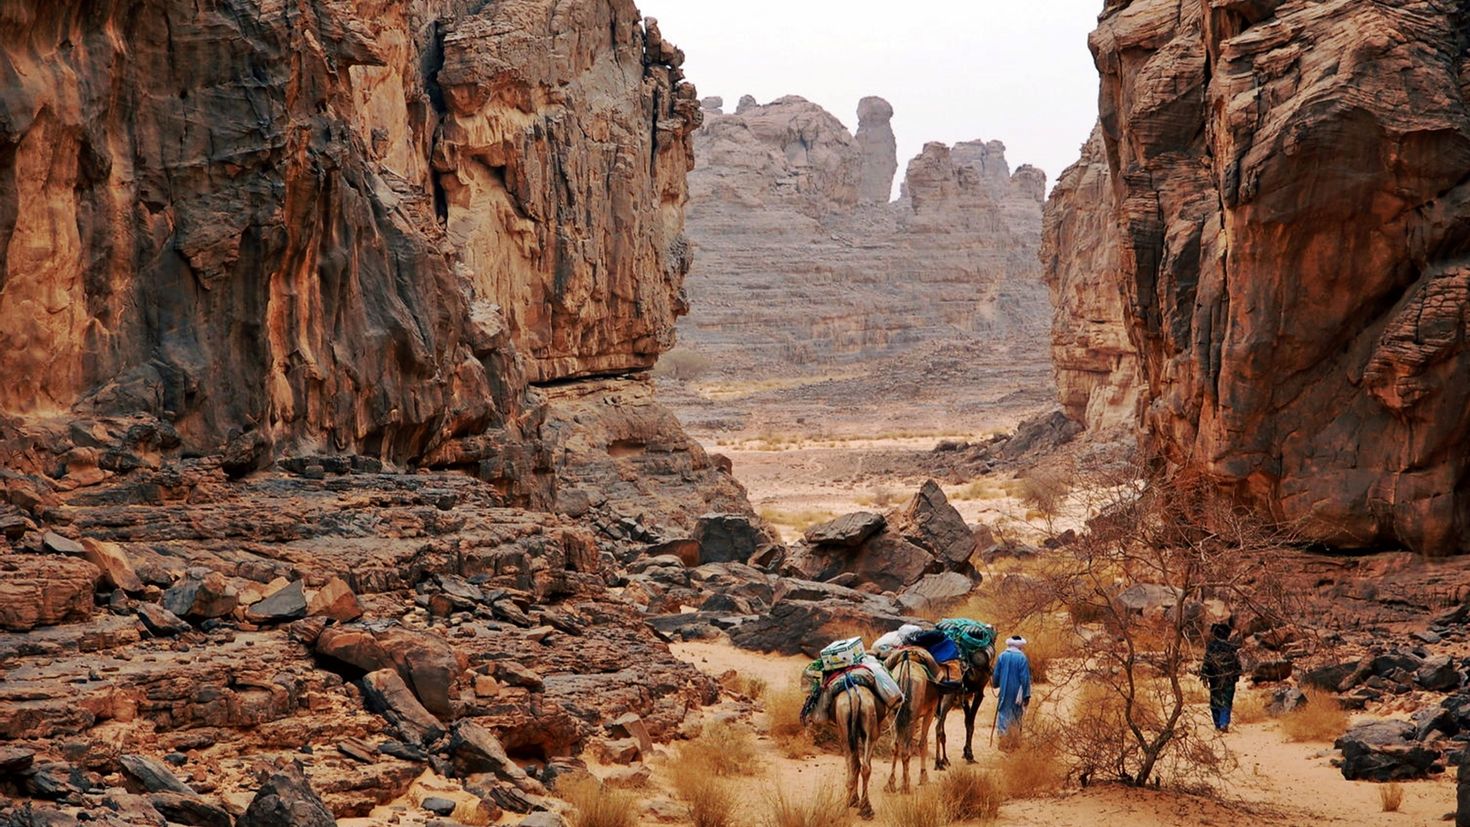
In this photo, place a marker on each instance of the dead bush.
(924, 808)
(682, 364)
(711, 799)
(970, 794)
(1033, 765)
(1249, 708)
(826, 807)
(783, 722)
(1321, 718)
(596, 806)
(722, 749)
(1391, 796)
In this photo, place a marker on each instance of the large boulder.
(1385, 751)
(728, 538)
(935, 592)
(201, 594)
(808, 615)
(281, 606)
(426, 663)
(385, 693)
(887, 561)
(849, 530)
(286, 799)
(44, 590)
(931, 523)
(474, 749)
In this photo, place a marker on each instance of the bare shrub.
(596, 806)
(682, 364)
(1045, 490)
(826, 807)
(1250, 707)
(925, 808)
(970, 794)
(1391, 796)
(784, 725)
(711, 800)
(1033, 765)
(1321, 718)
(722, 749)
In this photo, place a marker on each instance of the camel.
(855, 709)
(915, 671)
(977, 668)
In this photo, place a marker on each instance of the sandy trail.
(1276, 782)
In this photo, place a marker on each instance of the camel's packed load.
(970, 636)
(842, 665)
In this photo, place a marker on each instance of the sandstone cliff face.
(354, 227)
(803, 265)
(1294, 218)
(1097, 367)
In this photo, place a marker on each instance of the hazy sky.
(954, 70)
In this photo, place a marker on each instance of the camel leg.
(854, 770)
(941, 749)
(865, 808)
(970, 709)
(908, 754)
(892, 771)
(924, 753)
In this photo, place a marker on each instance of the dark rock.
(191, 809)
(1427, 636)
(160, 621)
(474, 749)
(934, 592)
(931, 523)
(725, 538)
(1433, 719)
(511, 673)
(201, 595)
(54, 781)
(15, 760)
(286, 604)
(725, 604)
(1384, 665)
(1339, 677)
(1286, 699)
(408, 752)
(287, 800)
(1438, 674)
(36, 816)
(1271, 670)
(439, 806)
(385, 693)
(1384, 751)
(803, 627)
(849, 530)
(152, 776)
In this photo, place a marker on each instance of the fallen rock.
(629, 724)
(15, 760)
(117, 570)
(475, 749)
(1284, 700)
(616, 750)
(511, 673)
(45, 590)
(1384, 751)
(424, 661)
(934, 592)
(151, 776)
(931, 523)
(60, 544)
(439, 806)
(1270, 671)
(849, 530)
(286, 799)
(385, 693)
(191, 809)
(635, 777)
(283, 605)
(336, 601)
(726, 538)
(201, 595)
(1438, 674)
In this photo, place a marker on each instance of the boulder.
(931, 523)
(335, 601)
(1438, 674)
(15, 760)
(190, 809)
(117, 570)
(425, 662)
(1384, 750)
(1268, 671)
(148, 775)
(1339, 677)
(474, 749)
(286, 799)
(725, 538)
(385, 693)
(629, 724)
(1284, 700)
(201, 595)
(1148, 598)
(61, 544)
(281, 606)
(849, 530)
(886, 560)
(686, 550)
(45, 590)
(934, 592)
(803, 626)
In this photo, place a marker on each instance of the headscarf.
(1015, 642)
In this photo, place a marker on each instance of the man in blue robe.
(1012, 679)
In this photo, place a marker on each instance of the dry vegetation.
(1321, 718)
(783, 723)
(710, 799)
(1033, 765)
(924, 808)
(1250, 707)
(596, 806)
(801, 518)
(827, 807)
(722, 749)
(970, 794)
(1391, 796)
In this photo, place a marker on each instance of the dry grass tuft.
(798, 518)
(751, 686)
(595, 806)
(925, 808)
(827, 807)
(1250, 708)
(711, 799)
(980, 489)
(970, 794)
(722, 749)
(1320, 719)
(783, 722)
(1033, 768)
(1391, 796)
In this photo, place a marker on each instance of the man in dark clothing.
(1220, 672)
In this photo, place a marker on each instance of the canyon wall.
(333, 227)
(804, 265)
(1289, 193)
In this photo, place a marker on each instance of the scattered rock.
(511, 673)
(112, 561)
(1284, 700)
(1271, 670)
(385, 692)
(474, 749)
(934, 592)
(201, 595)
(1438, 674)
(439, 806)
(725, 538)
(629, 724)
(151, 776)
(45, 590)
(545, 818)
(335, 601)
(931, 523)
(1384, 751)
(286, 799)
(59, 544)
(193, 810)
(849, 530)
(283, 605)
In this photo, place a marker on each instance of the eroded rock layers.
(1293, 218)
(804, 265)
(350, 227)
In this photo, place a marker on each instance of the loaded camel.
(856, 711)
(915, 671)
(977, 666)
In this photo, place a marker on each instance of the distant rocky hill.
(802, 265)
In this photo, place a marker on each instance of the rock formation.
(1097, 367)
(1290, 207)
(803, 265)
(355, 228)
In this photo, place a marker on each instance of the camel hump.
(914, 654)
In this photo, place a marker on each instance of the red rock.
(43, 590)
(335, 600)
(117, 570)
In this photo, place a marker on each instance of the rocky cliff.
(332, 227)
(804, 265)
(1096, 364)
(1293, 218)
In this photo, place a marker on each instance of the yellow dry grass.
(1250, 708)
(1320, 719)
(970, 794)
(1033, 766)
(798, 518)
(596, 806)
(722, 749)
(711, 800)
(1391, 796)
(826, 807)
(783, 722)
(924, 808)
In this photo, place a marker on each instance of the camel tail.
(854, 726)
(906, 709)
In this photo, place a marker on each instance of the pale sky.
(954, 70)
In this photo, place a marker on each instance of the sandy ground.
(1276, 782)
